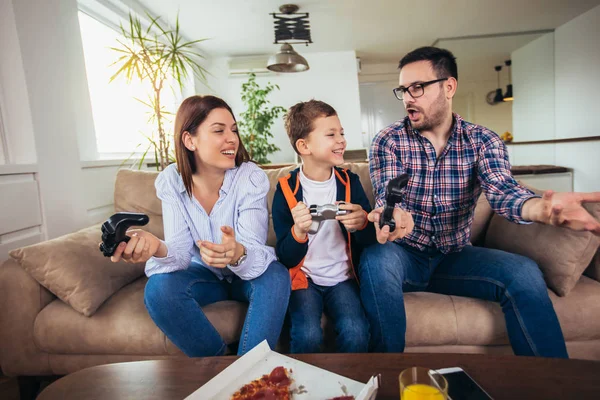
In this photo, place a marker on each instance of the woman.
(215, 221)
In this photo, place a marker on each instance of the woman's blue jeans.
(175, 300)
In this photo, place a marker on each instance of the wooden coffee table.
(504, 377)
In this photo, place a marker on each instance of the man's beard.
(436, 117)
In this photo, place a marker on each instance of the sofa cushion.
(578, 312)
(562, 254)
(481, 220)
(73, 268)
(593, 271)
(135, 192)
(123, 326)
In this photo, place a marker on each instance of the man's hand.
(221, 255)
(355, 219)
(302, 220)
(404, 225)
(563, 209)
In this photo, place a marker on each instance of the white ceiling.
(378, 30)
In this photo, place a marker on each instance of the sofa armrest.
(21, 299)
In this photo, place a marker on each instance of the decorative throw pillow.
(73, 268)
(593, 271)
(562, 254)
(481, 220)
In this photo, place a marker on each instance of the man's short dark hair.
(442, 61)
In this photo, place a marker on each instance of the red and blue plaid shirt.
(442, 192)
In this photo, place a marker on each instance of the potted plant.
(160, 56)
(255, 123)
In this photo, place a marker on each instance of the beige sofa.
(64, 307)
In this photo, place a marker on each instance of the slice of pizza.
(274, 386)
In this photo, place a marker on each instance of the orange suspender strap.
(290, 197)
(298, 278)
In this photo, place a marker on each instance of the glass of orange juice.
(417, 383)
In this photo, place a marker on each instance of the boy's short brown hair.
(300, 117)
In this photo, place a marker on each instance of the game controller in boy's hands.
(113, 230)
(324, 212)
(394, 193)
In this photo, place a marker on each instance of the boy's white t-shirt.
(326, 261)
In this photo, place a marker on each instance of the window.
(121, 121)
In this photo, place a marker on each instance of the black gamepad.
(394, 193)
(324, 212)
(113, 230)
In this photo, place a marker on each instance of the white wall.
(14, 99)
(469, 100)
(332, 78)
(45, 190)
(561, 105)
(533, 88)
(54, 69)
(577, 61)
(470, 103)
(379, 108)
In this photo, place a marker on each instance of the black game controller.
(113, 230)
(394, 193)
(324, 212)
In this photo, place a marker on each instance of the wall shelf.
(552, 141)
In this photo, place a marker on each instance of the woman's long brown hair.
(191, 113)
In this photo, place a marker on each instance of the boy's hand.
(302, 220)
(404, 225)
(355, 219)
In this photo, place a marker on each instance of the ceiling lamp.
(290, 28)
(508, 96)
(499, 97)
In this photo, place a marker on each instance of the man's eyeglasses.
(415, 90)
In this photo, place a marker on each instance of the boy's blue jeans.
(174, 302)
(342, 305)
(388, 270)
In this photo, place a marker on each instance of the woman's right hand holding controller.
(141, 247)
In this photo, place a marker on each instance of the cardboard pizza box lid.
(310, 382)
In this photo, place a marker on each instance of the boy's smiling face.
(326, 143)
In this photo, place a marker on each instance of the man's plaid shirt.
(442, 192)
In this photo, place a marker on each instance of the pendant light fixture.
(287, 60)
(499, 97)
(290, 28)
(508, 96)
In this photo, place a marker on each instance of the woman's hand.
(355, 219)
(141, 246)
(224, 254)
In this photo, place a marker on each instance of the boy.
(322, 264)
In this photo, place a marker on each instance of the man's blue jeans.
(389, 270)
(342, 304)
(174, 302)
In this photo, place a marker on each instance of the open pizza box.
(309, 382)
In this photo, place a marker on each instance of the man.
(450, 161)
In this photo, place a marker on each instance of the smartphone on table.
(461, 386)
